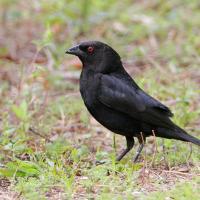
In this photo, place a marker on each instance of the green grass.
(187, 190)
(49, 142)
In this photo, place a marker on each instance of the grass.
(188, 190)
(49, 143)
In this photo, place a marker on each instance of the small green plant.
(19, 168)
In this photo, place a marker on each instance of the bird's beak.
(74, 51)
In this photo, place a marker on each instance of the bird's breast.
(111, 119)
(89, 88)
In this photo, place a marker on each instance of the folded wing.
(120, 96)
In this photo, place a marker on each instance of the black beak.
(74, 51)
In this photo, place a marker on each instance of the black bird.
(118, 103)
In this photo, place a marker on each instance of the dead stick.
(37, 133)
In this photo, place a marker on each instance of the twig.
(155, 148)
(114, 143)
(72, 94)
(176, 172)
(145, 160)
(164, 154)
(145, 156)
(39, 134)
(190, 153)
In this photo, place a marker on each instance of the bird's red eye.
(90, 49)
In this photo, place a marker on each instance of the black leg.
(138, 152)
(142, 140)
(130, 143)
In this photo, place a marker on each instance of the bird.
(115, 100)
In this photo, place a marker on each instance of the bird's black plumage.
(116, 101)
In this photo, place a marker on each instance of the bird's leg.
(138, 152)
(141, 140)
(130, 142)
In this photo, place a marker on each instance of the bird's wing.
(118, 95)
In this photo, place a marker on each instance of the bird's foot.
(135, 159)
(138, 153)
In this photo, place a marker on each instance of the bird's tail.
(178, 134)
(186, 137)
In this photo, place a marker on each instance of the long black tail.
(186, 137)
(178, 134)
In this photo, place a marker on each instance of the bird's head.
(97, 56)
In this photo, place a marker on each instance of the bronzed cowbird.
(118, 103)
